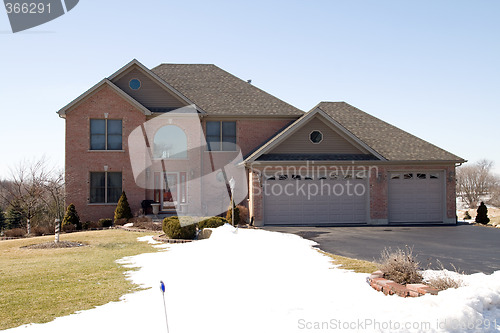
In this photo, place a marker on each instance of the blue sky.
(429, 67)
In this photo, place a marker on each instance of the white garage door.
(303, 200)
(416, 197)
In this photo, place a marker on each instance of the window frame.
(106, 134)
(321, 137)
(221, 136)
(106, 187)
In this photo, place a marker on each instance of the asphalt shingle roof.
(218, 92)
(389, 141)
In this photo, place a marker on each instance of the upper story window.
(105, 134)
(221, 135)
(170, 142)
(134, 84)
(316, 137)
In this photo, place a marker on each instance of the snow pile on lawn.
(260, 281)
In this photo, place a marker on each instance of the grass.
(495, 220)
(356, 265)
(38, 285)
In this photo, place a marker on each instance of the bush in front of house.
(173, 229)
(89, 225)
(105, 223)
(123, 210)
(212, 222)
(400, 266)
(243, 214)
(482, 214)
(71, 217)
(68, 227)
(236, 215)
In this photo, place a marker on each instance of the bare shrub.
(400, 266)
(140, 219)
(40, 231)
(121, 221)
(243, 214)
(148, 226)
(444, 279)
(16, 232)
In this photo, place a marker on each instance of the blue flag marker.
(162, 288)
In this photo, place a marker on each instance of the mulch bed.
(54, 245)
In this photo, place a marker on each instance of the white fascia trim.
(62, 112)
(154, 77)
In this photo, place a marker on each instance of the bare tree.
(55, 194)
(475, 181)
(35, 190)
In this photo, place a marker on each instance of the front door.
(170, 190)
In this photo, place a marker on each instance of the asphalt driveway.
(470, 248)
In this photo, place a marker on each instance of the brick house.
(332, 165)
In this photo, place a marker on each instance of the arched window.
(170, 142)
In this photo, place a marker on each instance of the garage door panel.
(321, 206)
(418, 198)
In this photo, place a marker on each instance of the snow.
(242, 280)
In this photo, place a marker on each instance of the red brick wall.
(254, 132)
(80, 161)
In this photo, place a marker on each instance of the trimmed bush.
(482, 214)
(122, 210)
(236, 215)
(68, 228)
(400, 266)
(16, 232)
(172, 228)
(213, 222)
(87, 225)
(105, 223)
(71, 217)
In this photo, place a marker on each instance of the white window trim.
(140, 84)
(322, 137)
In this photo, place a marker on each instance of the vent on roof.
(249, 81)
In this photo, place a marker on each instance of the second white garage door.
(315, 201)
(416, 197)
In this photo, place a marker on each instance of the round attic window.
(316, 136)
(134, 84)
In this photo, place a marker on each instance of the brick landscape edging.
(376, 281)
(169, 240)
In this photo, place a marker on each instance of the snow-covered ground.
(260, 281)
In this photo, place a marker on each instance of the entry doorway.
(170, 190)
